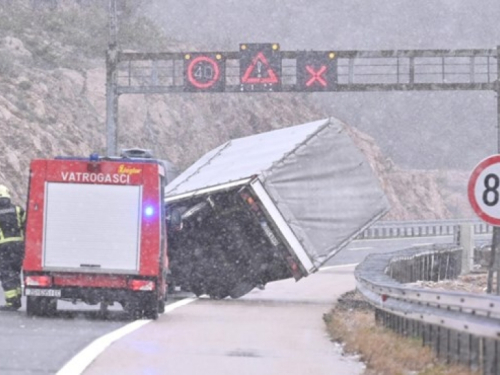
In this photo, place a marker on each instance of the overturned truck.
(269, 207)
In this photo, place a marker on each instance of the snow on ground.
(470, 283)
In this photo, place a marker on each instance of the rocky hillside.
(417, 194)
(52, 102)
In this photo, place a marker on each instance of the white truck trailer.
(268, 207)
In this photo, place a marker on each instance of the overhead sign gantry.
(265, 68)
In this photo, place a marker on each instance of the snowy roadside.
(475, 282)
(352, 323)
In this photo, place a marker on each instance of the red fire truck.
(96, 232)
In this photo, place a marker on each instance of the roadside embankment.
(352, 323)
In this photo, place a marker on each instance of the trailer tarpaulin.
(319, 180)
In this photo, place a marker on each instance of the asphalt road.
(279, 330)
(356, 251)
(43, 345)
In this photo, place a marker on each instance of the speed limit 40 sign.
(484, 190)
(204, 72)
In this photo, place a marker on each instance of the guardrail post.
(408, 267)
(459, 348)
(465, 354)
(496, 360)
(437, 341)
(448, 346)
(456, 234)
(439, 266)
(490, 361)
(466, 241)
(474, 350)
(447, 266)
(454, 346)
(431, 267)
(378, 316)
(434, 267)
(427, 268)
(428, 334)
(423, 263)
(482, 355)
(412, 271)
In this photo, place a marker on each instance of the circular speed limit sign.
(484, 190)
(203, 72)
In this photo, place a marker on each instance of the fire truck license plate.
(42, 292)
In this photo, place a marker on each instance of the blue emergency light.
(149, 211)
(94, 157)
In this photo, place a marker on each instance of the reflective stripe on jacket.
(12, 221)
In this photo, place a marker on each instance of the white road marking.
(338, 266)
(360, 248)
(82, 360)
(422, 244)
(386, 239)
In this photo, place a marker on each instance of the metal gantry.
(356, 71)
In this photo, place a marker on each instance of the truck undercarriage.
(222, 249)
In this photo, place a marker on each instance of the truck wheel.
(161, 306)
(51, 307)
(218, 293)
(197, 289)
(32, 306)
(133, 310)
(152, 310)
(41, 306)
(241, 289)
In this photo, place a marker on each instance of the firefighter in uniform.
(12, 226)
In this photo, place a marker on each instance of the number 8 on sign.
(491, 188)
(484, 190)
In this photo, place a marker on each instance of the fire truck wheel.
(152, 310)
(32, 306)
(161, 306)
(133, 310)
(41, 306)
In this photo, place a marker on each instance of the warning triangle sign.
(259, 71)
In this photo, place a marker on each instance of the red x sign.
(316, 76)
(316, 71)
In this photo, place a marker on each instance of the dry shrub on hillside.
(383, 351)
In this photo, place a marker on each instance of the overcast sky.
(421, 130)
(333, 24)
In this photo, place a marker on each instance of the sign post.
(495, 242)
(111, 95)
(484, 197)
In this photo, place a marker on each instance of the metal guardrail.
(460, 327)
(421, 228)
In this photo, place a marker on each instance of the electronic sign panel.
(316, 71)
(204, 72)
(260, 67)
